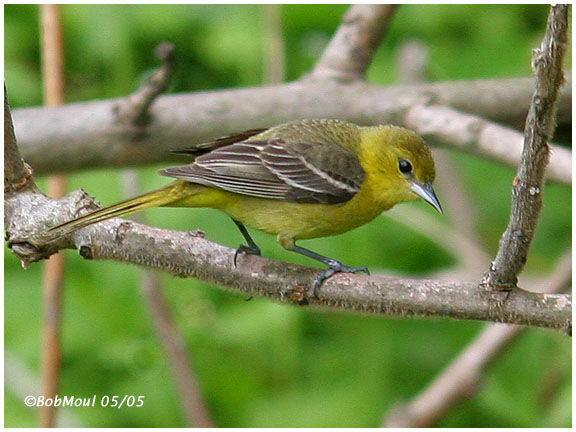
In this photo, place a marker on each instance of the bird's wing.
(298, 172)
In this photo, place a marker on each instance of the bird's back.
(315, 131)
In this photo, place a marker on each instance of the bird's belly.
(298, 220)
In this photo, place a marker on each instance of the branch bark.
(528, 184)
(187, 254)
(86, 135)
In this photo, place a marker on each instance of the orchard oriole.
(299, 180)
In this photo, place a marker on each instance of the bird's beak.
(426, 192)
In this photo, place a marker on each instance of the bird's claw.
(250, 250)
(335, 267)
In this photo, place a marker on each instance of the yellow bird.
(299, 180)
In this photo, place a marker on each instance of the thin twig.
(412, 62)
(134, 110)
(17, 173)
(53, 274)
(350, 50)
(273, 42)
(462, 378)
(462, 211)
(472, 258)
(196, 412)
(529, 182)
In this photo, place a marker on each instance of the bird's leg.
(334, 266)
(252, 247)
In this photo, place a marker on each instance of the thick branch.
(528, 184)
(189, 255)
(350, 50)
(86, 135)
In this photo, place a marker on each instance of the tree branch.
(189, 255)
(473, 134)
(350, 50)
(528, 184)
(86, 135)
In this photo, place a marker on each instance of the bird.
(298, 180)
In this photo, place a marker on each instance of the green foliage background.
(262, 364)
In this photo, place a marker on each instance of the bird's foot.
(334, 267)
(250, 250)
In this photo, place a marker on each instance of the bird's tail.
(157, 198)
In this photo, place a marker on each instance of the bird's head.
(402, 164)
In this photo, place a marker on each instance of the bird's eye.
(404, 166)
